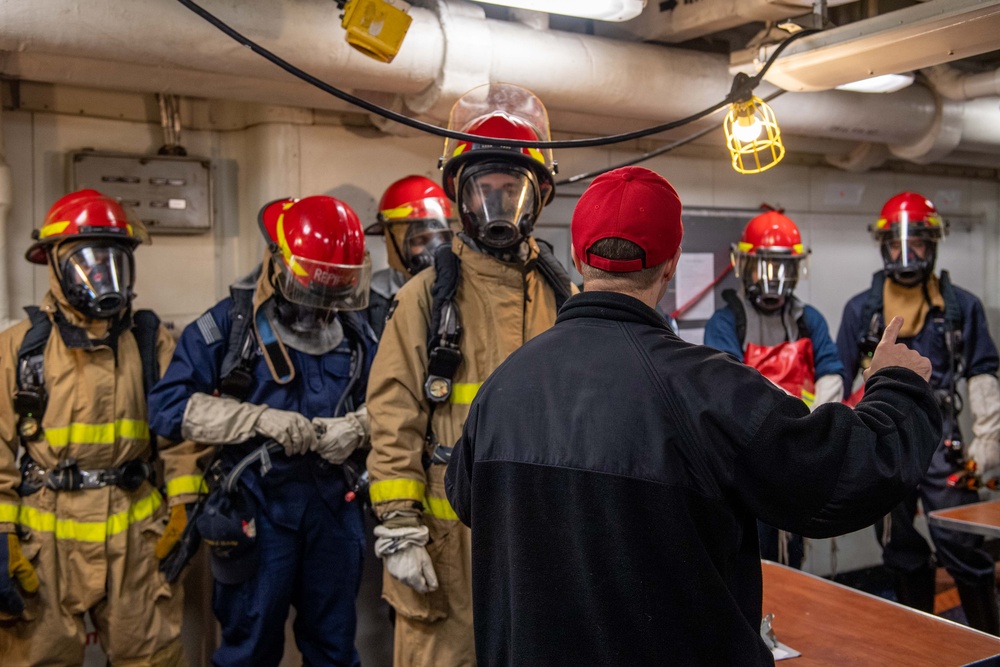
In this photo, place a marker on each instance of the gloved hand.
(14, 569)
(338, 437)
(293, 431)
(406, 558)
(172, 533)
(984, 397)
(217, 420)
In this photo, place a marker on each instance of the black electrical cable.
(651, 154)
(462, 136)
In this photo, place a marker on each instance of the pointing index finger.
(892, 331)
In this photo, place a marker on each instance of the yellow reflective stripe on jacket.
(439, 508)
(97, 434)
(8, 513)
(90, 531)
(396, 489)
(179, 486)
(462, 393)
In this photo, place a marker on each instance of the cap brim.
(375, 229)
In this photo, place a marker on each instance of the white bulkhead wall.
(267, 153)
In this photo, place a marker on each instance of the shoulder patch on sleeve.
(209, 329)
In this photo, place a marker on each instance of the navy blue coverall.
(907, 554)
(310, 539)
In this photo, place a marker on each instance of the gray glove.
(337, 437)
(293, 431)
(216, 420)
(984, 395)
(406, 558)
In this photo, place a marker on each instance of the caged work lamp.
(753, 136)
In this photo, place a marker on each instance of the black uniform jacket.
(612, 474)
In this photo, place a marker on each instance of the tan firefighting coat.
(93, 549)
(501, 307)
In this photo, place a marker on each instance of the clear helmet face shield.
(908, 252)
(417, 240)
(497, 204)
(97, 278)
(770, 278)
(321, 287)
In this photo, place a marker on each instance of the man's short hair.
(621, 249)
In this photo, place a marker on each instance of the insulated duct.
(920, 36)
(161, 47)
(675, 22)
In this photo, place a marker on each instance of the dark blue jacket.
(720, 333)
(978, 350)
(315, 390)
(612, 475)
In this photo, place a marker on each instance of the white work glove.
(217, 420)
(984, 397)
(829, 389)
(406, 558)
(338, 437)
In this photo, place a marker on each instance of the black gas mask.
(416, 241)
(301, 318)
(498, 203)
(769, 279)
(97, 278)
(909, 269)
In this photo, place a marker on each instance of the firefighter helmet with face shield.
(318, 254)
(500, 190)
(907, 231)
(88, 239)
(769, 259)
(414, 215)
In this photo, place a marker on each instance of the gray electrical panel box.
(171, 195)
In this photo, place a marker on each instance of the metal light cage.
(761, 153)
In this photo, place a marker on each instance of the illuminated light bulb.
(752, 136)
(747, 128)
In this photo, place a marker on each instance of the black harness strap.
(553, 272)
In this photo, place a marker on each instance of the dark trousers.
(908, 556)
(315, 568)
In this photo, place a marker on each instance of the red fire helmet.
(85, 214)
(318, 246)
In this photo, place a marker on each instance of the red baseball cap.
(631, 203)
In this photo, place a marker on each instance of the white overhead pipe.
(957, 85)
(688, 20)
(449, 50)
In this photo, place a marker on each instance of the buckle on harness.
(441, 455)
(64, 477)
(67, 476)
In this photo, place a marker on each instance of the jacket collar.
(611, 306)
(487, 267)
